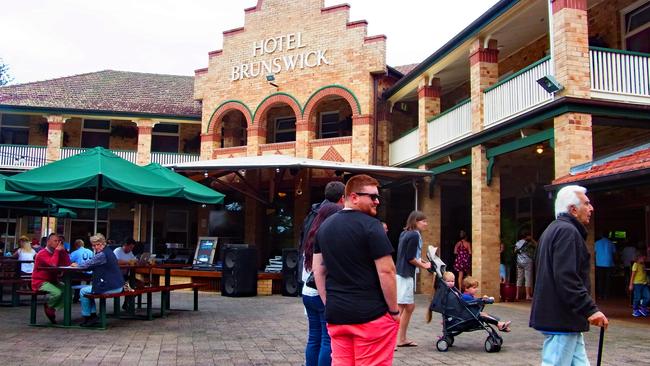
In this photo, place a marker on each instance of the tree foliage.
(5, 78)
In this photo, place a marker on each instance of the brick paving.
(271, 330)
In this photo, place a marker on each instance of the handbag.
(311, 282)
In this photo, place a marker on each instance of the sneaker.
(50, 313)
(90, 321)
(636, 313)
(643, 311)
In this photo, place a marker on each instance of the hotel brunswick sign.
(294, 56)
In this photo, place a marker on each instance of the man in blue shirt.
(80, 255)
(604, 249)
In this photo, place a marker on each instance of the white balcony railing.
(517, 93)
(404, 148)
(22, 156)
(450, 126)
(171, 158)
(130, 155)
(619, 72)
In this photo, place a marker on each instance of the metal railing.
(404, 148)
(163, 158)
(450, 125)
(619, 72)
(516, 94)
(130, 155)
(22, 156)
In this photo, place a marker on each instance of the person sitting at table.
(124, 253)
(25, 253)
(54, 255)
(106, 278)
(80, 255)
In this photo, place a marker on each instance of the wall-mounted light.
(282, 194)
(463, 171)
(205, 173)
(549, 84)
(539, 149)
(271, 78)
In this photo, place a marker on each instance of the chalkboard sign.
(205, 250)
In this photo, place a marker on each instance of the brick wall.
(605, 22)
(532, 52)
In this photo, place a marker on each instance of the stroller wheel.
(442, 345)
(450, 340)
(492, 345)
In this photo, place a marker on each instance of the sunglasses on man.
(372, 196)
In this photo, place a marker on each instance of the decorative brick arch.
(271, 101)
(328, 91)
(224, 108)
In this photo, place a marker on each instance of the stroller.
(458, 316)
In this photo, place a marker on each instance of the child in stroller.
(459, 316)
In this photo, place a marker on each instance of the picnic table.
(10, 274)
(69, 273)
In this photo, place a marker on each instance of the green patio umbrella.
(192, 190)
(97, 174)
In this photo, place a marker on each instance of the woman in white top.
(25, 253)
(318, 351)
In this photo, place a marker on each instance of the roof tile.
(637, 160)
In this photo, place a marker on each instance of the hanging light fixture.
(539, 149)
(463, 171)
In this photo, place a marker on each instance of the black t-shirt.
(350, 242)
(407, 250)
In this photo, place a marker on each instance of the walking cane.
(600, 345)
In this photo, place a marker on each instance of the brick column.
(486, 224)
(362, 139)
(484, 72)
(571, 47)
(305, 132)
(573, 141)
(428, 106)
(54, 137)
(144, 141)
(431, 236)
(302, 202)
(256, 137)
(209, 143)
(384, 130)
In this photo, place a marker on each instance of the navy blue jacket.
(106, 271)
(562, 300)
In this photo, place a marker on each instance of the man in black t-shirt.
(355, 276)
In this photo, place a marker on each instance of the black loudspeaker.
(290, 285)
(239, 276)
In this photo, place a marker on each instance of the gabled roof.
(624, 164)
(109, 91)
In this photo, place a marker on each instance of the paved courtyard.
(272, 331)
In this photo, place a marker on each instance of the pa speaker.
(239, 276)
(290, 284)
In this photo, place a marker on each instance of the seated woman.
(106, 278)
(470, 288)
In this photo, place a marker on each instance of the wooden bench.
(140, 291)
(16, 284)
(32, 302)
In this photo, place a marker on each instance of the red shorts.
(371, 343)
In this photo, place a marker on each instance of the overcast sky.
(45, 39)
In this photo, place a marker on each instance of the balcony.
(22, 156)
(620, 75)
(449, 126)
(404, 148)
(130, 155)
(172, 158)
(516, 94)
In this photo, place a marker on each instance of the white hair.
(567, 197)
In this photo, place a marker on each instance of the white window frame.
(320, 124)
(176, 134)
(627, 10)
(276, 130)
